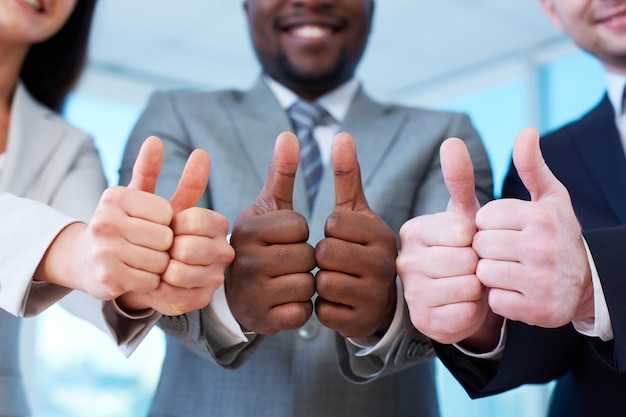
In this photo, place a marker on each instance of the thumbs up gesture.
(124, 247)
(269, 285)
(532, 255)
(356, 278)
(149, 252)
(198, 253)
(437, 263)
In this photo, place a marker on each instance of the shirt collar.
(615, 87)
(336, 102)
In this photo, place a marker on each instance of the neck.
(5, 116)
(615, 68)
(11, 60)
(312, 92)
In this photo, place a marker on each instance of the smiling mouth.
(617, 15)
(34, 4)
(310, 31)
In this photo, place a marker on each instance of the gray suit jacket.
(310, 371)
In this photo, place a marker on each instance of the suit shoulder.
(69, 133)
(183, 97)
(563, 131)
(421, 111)
(599, 115)
(428, 115)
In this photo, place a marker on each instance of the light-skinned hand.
(199, 252)
(142, 249)
(532, 253)
(124, 246)
(437, 263)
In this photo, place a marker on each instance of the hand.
(356, 280)
(124, 247)
(269, 285)
(199, 253)
(437, 264)
(532, 253)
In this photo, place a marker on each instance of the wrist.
(61, 264)
(386, 322)
(586, 305)
(486, 338)
(132, 314)
(132, 303)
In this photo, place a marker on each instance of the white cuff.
(600, 324)
(374, 345)
(139, 315)
(221, 324)
(496, 353)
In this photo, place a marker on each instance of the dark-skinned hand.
(356, 281)
(269, 285)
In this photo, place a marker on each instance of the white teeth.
(34, 4)
(311, 32)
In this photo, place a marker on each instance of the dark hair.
(52, 67)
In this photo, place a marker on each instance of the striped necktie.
(305, 116)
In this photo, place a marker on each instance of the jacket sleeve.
(608, 247)
(31, 226)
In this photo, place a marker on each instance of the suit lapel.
(34, 132)
(258, 118)
(599, 145)
(375, 129)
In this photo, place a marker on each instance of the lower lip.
(616, 23)
(27, 7)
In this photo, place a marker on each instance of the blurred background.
(500, 61)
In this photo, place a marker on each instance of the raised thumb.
(531, 167)
(193, 181)
(349, 193)
(458, 174)
(147, 165)
(277, 192)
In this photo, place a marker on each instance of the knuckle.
(221, 224)
(225, 255)
(103, 226)
(474, 288)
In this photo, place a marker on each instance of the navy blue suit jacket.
(588, 158)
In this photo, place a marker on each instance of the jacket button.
(309, 330)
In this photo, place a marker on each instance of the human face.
(597, 26)
(310, 46)
(26, 22)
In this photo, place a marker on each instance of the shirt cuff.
(127, 330)
(496, 353)
(139, 315)
(221, 325)
(600, 324)
(374, 345)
